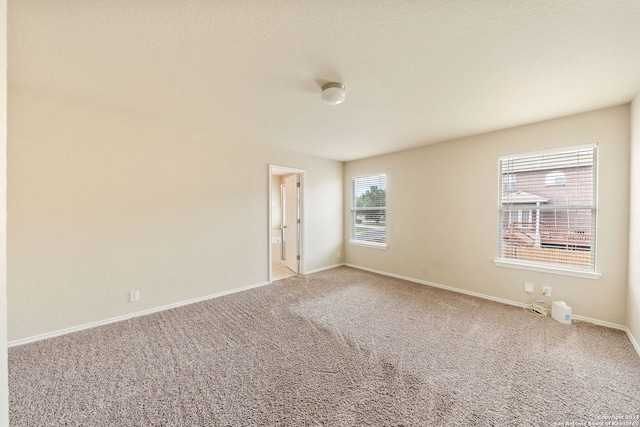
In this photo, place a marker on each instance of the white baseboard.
(633, 340)
(90, 325)
(437, 285)
(65, 331)
(317, 270)
(500, 300)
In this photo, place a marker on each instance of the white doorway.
(286, 200)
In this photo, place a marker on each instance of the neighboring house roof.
(523, 197)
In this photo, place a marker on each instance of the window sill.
(368, 244)
(546, 269)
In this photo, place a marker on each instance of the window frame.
(554, 268)
(354, 213)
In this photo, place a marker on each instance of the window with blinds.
(548, 209)
(369, 210)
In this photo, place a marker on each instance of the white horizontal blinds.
(369, 209)
(548, 208)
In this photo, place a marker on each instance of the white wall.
(442, 212)
(633, 298)
(4, 379)
(101, 202)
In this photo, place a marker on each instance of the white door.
(292, 223)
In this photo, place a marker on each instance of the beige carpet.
(338, 348)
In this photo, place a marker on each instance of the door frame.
(277, 170)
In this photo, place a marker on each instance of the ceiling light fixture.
(333, 93)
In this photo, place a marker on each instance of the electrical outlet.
(338, 254)
(134, 296)
(528, 287)
(546, 291)
(424, 268)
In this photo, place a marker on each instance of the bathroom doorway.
(285, 221)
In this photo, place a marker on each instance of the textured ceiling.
(416, 72)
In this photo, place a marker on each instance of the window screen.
(369, 210)
(548, 208)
